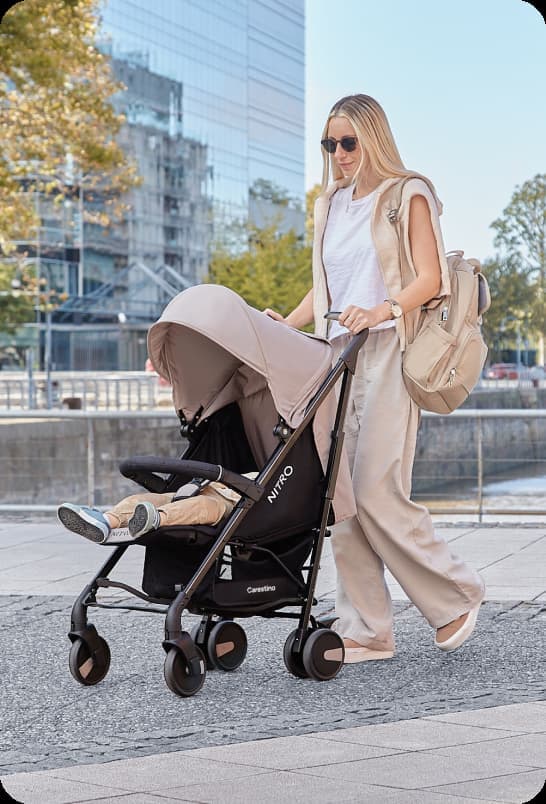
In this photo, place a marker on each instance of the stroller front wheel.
(323, 654)
(86, 666)
(181, 677)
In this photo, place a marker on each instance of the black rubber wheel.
(293, 661)
(86, 667)
(227, 645)
(180, 677)
(323, 654)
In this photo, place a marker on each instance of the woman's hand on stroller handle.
(332, 315)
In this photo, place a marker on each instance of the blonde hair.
(374, 136)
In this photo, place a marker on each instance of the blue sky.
(462, 85)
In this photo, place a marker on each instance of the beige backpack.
(444, 361)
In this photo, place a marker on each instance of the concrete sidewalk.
(494, 754)
(487, 755)
(42, 558)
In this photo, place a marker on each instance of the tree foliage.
(57, 123)
(310, 199)
(273, 270)
(22, 294)
(512, 295)
(266, 268)
(15, 308)
(521, 237)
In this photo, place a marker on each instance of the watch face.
(396, 310)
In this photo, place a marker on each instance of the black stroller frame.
(310, 651)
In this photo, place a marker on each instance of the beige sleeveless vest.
(390, 232)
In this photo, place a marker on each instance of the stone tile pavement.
(486, 755)
(493, 754)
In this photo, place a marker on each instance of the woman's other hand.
(358, 318)
(275, 315)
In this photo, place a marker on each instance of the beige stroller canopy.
(214, 349)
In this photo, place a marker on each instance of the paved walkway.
(493, 754)
(487, 755)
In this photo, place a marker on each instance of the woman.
(380, 284)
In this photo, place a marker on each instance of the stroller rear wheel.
(293, 661)
(227, 645)
(323, 654)
(182, 677)
(87, 666)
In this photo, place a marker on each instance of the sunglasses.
(347, 143)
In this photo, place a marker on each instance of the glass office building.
(240, 64)
(214, 104)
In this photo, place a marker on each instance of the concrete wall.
(45, 461)
(447, 449)
(523, 397)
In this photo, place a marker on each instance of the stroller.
(252, 396)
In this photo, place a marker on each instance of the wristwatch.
(396, 310)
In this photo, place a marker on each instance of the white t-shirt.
(350, 260)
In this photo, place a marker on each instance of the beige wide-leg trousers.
(389, 529)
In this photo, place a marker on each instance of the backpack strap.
(393, 214)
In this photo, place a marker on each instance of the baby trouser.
(212, 504)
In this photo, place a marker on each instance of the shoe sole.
(354, 655)
(140, 523)
(75, 523)
(456, 640)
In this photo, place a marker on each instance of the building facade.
(240, 64)
(214, 106)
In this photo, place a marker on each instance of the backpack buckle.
(392, 215)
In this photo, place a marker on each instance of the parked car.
(502, 371)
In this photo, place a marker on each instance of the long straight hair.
(374, 135)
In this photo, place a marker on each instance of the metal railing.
(81, 390)
(88, 458)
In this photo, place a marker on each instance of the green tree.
(56, 119)
(15, 308)
(273, 270)
(512, 296)
(266, 268)
(521, 235)
(21, 294)
(310, 199)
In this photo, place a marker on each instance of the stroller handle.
(133, 468)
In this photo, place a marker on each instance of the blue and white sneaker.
(146, 517)
(88, 522)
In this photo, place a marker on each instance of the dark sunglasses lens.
(348, 143)
(329, 145)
